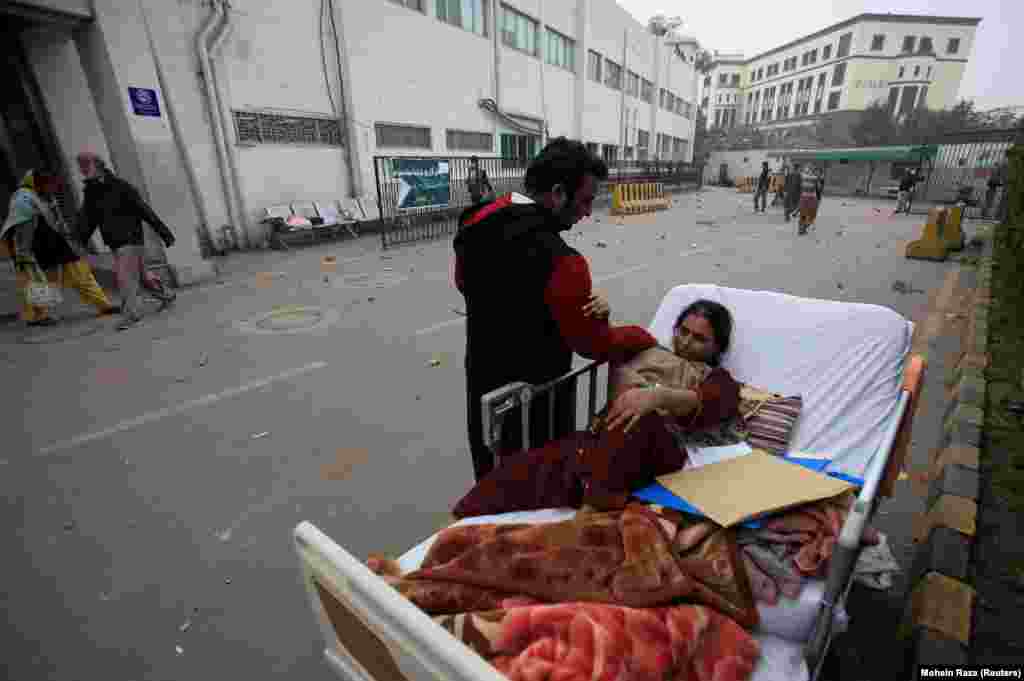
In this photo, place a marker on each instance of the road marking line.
(183, 407)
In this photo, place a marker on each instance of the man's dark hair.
(718, 317)
(565, 162)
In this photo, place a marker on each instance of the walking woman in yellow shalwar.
(43, 258)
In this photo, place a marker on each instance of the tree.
(876, 127)
(661, 25)
(702, 63)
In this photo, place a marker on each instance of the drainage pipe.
(203, 53)
(179, 138)
(224, 111)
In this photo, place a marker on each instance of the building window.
(844, 45)
(804, 58)
(633, 84)
(735, 80)
(264, 128)
(560, 51)
(518, 31)
(953, 46)
(838, 74)
(592, 147)
(826, 53)
(814, 56)
(707, 81)
(760, 73)
(821, 79)
(722, 79)
(917, 71)
(908, 43)
(833, 100)
(894, 96)
(903, 69)
(612, 75)
(670, 102)
(396, 135)
(610, 153)
(643, 139)
(878, 43)
(907, 102)
(928, 75)
(922, 100)
(817, 106)
(647, 91)
(468, 14)
(411, 4)
(925, 46)
(464, 140)
(594, 66)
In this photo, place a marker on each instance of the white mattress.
(784, 627)
(845, 359)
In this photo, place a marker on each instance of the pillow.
(770, 426)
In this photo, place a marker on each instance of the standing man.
(116, 207)
(905, 191)
(529, 303)
(794, 182)
(761, 194)
(479, 185)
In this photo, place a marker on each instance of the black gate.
(970, 166)
(421, 197)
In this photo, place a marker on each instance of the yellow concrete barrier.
(932, 244)
(639, 197)
(953, 232)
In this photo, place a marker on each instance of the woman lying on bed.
(655, 397)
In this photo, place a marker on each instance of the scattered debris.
(327, 279)
(434, 363)
(900, 286)
(370, 299)
(662, 237)
(69, 525)
(385, 257)
(839, 286)
(227, 580)
(203, 361)
(181, 379)
(459, 311)
(104, 596)
(179, 650)
(185, 626)
(693, 245)
(257, 436)
(419, 397)
(225, 535)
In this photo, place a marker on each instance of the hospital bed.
(852, 365)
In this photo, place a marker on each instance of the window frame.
(533, 23)
(633, 84)
(405, 3)
(450, 132)
(610, 68)
(922, 42)
(953, 46)
(837, 95)
(878, 42)
(411, 126)
(826, 52)
(570, 49)
(909, 43)
(598, 76)
(485, 10)
(843, 50)
(647, 87)
(839, 74)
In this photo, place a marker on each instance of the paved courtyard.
(149, 493)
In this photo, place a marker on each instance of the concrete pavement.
(159, 470)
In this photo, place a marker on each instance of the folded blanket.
(794, 545)
(620, 558)
(595, 642)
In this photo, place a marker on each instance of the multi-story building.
(721, 90)
(217, 111)
(905, 61)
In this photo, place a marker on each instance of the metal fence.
(421, 197)
(966, 162)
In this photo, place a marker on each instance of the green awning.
(905, 153)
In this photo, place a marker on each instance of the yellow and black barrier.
(639, 197)
(933, 244)
(953, 233)
(745, 185)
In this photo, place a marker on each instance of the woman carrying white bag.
(43, 260)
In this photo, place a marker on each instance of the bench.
(312, 221)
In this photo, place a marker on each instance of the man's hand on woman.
(597, 307)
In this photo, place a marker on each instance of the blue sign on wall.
(144, 101)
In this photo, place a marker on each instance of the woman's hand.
(631, 406)
(597, 307)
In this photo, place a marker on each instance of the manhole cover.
(59, 334)
(289, 319)
(384, 279)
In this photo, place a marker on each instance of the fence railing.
(422, 197)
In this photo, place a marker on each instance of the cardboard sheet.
(745, 487)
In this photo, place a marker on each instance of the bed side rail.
(499, 402)
(847, 550)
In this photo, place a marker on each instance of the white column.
(581, 67)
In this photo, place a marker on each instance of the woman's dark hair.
(565, 162)
(718, 317)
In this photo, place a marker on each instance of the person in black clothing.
(906, 192)
(117, 208)
(794, 183)
(529, 303)
(762, 187)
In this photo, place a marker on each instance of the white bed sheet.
(845, 359)
(788, 621)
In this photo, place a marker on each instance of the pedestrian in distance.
(529, 301)
(115, 207)
(761, 194)
(794, 182)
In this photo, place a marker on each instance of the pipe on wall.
(354, 183)
(224, 111)
(179, 138)
(216, 19)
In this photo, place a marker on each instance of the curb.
(939, 614)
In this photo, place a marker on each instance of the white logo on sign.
(142, 97)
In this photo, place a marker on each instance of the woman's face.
(695, 339)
